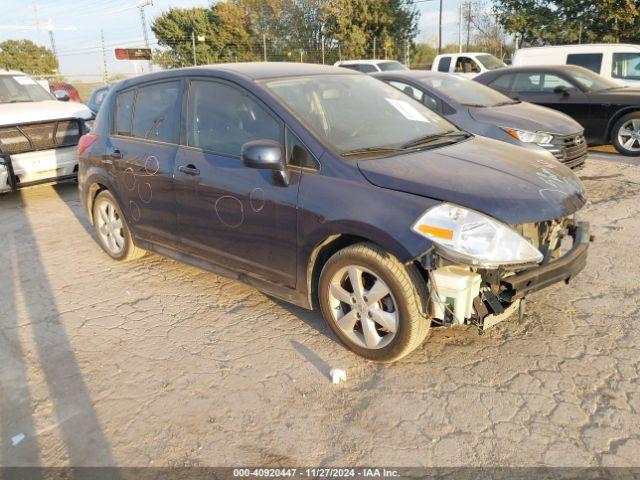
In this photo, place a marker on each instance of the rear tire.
(625, 135)
(381, 318)
(112, 230)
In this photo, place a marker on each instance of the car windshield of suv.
(490, 62)
(466, 92)
(626, 66)
(388, 66)
(20, 88)
(592, 82)
(356, 112)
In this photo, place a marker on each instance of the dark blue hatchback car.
(327, 188)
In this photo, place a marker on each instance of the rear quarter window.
(124, 112)
(444, 64)
(592, 61)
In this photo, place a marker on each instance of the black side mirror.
(266, 155)
(61, 95)
(561, 89)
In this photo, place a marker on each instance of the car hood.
(527, 116)
(507, 182)
(25, 112)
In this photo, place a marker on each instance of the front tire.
(373, 303)
(112, 230)
(625, 135)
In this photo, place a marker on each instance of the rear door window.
(222, 118)
(156, 112)
(445, 64)
(592, 61)
(124, 112)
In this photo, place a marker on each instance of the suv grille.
(569, 149)
(39, 136)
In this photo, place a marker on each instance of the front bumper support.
(563, 269)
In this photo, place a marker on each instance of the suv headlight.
(473, 238)
(529, 137)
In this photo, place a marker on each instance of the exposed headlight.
(529, 137)
(473, 238)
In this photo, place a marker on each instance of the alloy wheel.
(363, 307)
(110, 228)
(629, 135)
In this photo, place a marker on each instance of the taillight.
(86, 141)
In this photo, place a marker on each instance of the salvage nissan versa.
(325, 187)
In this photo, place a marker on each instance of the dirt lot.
(157, 363)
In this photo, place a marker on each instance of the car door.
(239, 217)
(142, 150)
(552, 90)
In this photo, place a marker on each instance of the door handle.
(189, 169)
(117, 154)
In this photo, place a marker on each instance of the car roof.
(249, 70)
(365, 62)
(582, 46)
(536, 68)
(411, 74)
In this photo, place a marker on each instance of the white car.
(617, 61)
(467, 64)
(371, 66)
(38, 134)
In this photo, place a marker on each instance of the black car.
(326, 187)
(608, 110)
(483, 111)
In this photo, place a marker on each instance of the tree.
(541, 22)
(219, 33)
(26, 56)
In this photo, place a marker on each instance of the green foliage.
(237, 30)
(542, 22)
(26, 56)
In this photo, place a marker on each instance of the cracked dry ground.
(158, 363)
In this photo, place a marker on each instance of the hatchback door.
(239, 217)
(143, 152)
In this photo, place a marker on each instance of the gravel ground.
(155, 363)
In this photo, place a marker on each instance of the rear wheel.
(625, 134)
(373, 303)
(112, 230)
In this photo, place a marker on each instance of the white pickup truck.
(38, 133)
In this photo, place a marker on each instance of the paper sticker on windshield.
(407, 110)
(22, 80)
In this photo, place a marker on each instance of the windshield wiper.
(433, 137)
(370, 150)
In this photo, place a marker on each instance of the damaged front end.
(467, 289)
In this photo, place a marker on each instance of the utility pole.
(143, 20)
(374, 48)
(580, 34)
(323, 49)
(105, 75)
(460, 31)
(193, 48)
(300, 55)
(468, 26)
(407, 56)
(53, 48)
(264, 46)
(440, 29)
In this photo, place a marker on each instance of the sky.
(77, 26)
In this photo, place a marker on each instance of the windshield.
(388, 66)
(466, 92)
(490, 62)
(353, 112)
(590, 81)
(20, 88)
(626, 66)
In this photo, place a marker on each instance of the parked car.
(38, 135)
(371, 66)
(478, 109)
(96, 99)
(608, 111)
(323, 186)
(59, 88)
(466, 64)
(617, 61)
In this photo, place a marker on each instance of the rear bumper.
(562, 269)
